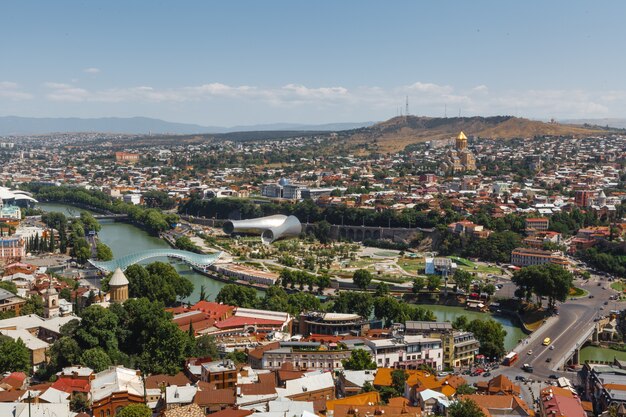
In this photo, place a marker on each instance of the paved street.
(575, 316)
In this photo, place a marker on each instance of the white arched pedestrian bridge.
(197, 260)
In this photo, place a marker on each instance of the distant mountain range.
(14, 125)
(610, 122)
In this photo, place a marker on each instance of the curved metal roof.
(194, 259)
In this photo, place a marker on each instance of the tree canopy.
(359, 360)
(237, 295)
(548, 280)
(14, 355)
(362, 278)
(465, 408)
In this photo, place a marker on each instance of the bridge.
(197, 260)
(111, 216)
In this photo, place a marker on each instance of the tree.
(322, 231)
(434, 281)
(362, 278)
(354, 302)
(203, 295)
(79, 402)
(14, 355)
(96, 359)
(465, 389)
(103, 252)
(490, 334)
(465, 408)
(33, 305)
(463, 279)
(206, 347)
(135, 410)
(489, 289)
(8, 286)
(237, 295)
(98, 328)
(548, 280)
(418, 284)
(323, 282)
(359, 360)
(382, 289)
(237, 356)
(158, 281)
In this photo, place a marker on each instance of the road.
(575, 317)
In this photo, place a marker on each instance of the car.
(551, 347)
(546, 341)
(606, 303)
(487, 374)
(548, 360)
(591, 296)
(530, 352)
(553, 377)
(520, 378)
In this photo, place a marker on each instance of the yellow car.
(546, 341)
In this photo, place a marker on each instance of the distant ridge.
(615, 122)
(14, 125)
(395, 134)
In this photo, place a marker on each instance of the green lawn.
(411, 265)
(577, 292)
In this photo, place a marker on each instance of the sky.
(253, 62)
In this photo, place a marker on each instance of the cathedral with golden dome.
(460, 158)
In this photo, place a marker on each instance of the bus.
(546, 341)
(510, 359)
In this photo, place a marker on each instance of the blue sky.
(247, 62)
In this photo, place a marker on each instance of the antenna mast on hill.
(406, 109)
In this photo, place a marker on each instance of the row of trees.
(152, 219)
(275, 299)
(37, 244)
(308, 211)
(497, 247)
(290, 278)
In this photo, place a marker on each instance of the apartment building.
(528, 257)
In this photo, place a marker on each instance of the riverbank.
(124, 238)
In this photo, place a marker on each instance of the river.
(124, 238)
(592, 353)
(448, 313)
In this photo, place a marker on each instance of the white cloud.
(12, 91)
(92, 70)
(424, 98)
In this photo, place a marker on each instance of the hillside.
(395, 134)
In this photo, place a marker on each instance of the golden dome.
(462, 136)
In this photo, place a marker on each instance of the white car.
(551, 347)
(530, 352)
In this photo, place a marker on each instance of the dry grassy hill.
(395, 134)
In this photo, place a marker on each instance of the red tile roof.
(71, 385)
(215, 311)
(14, 379)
